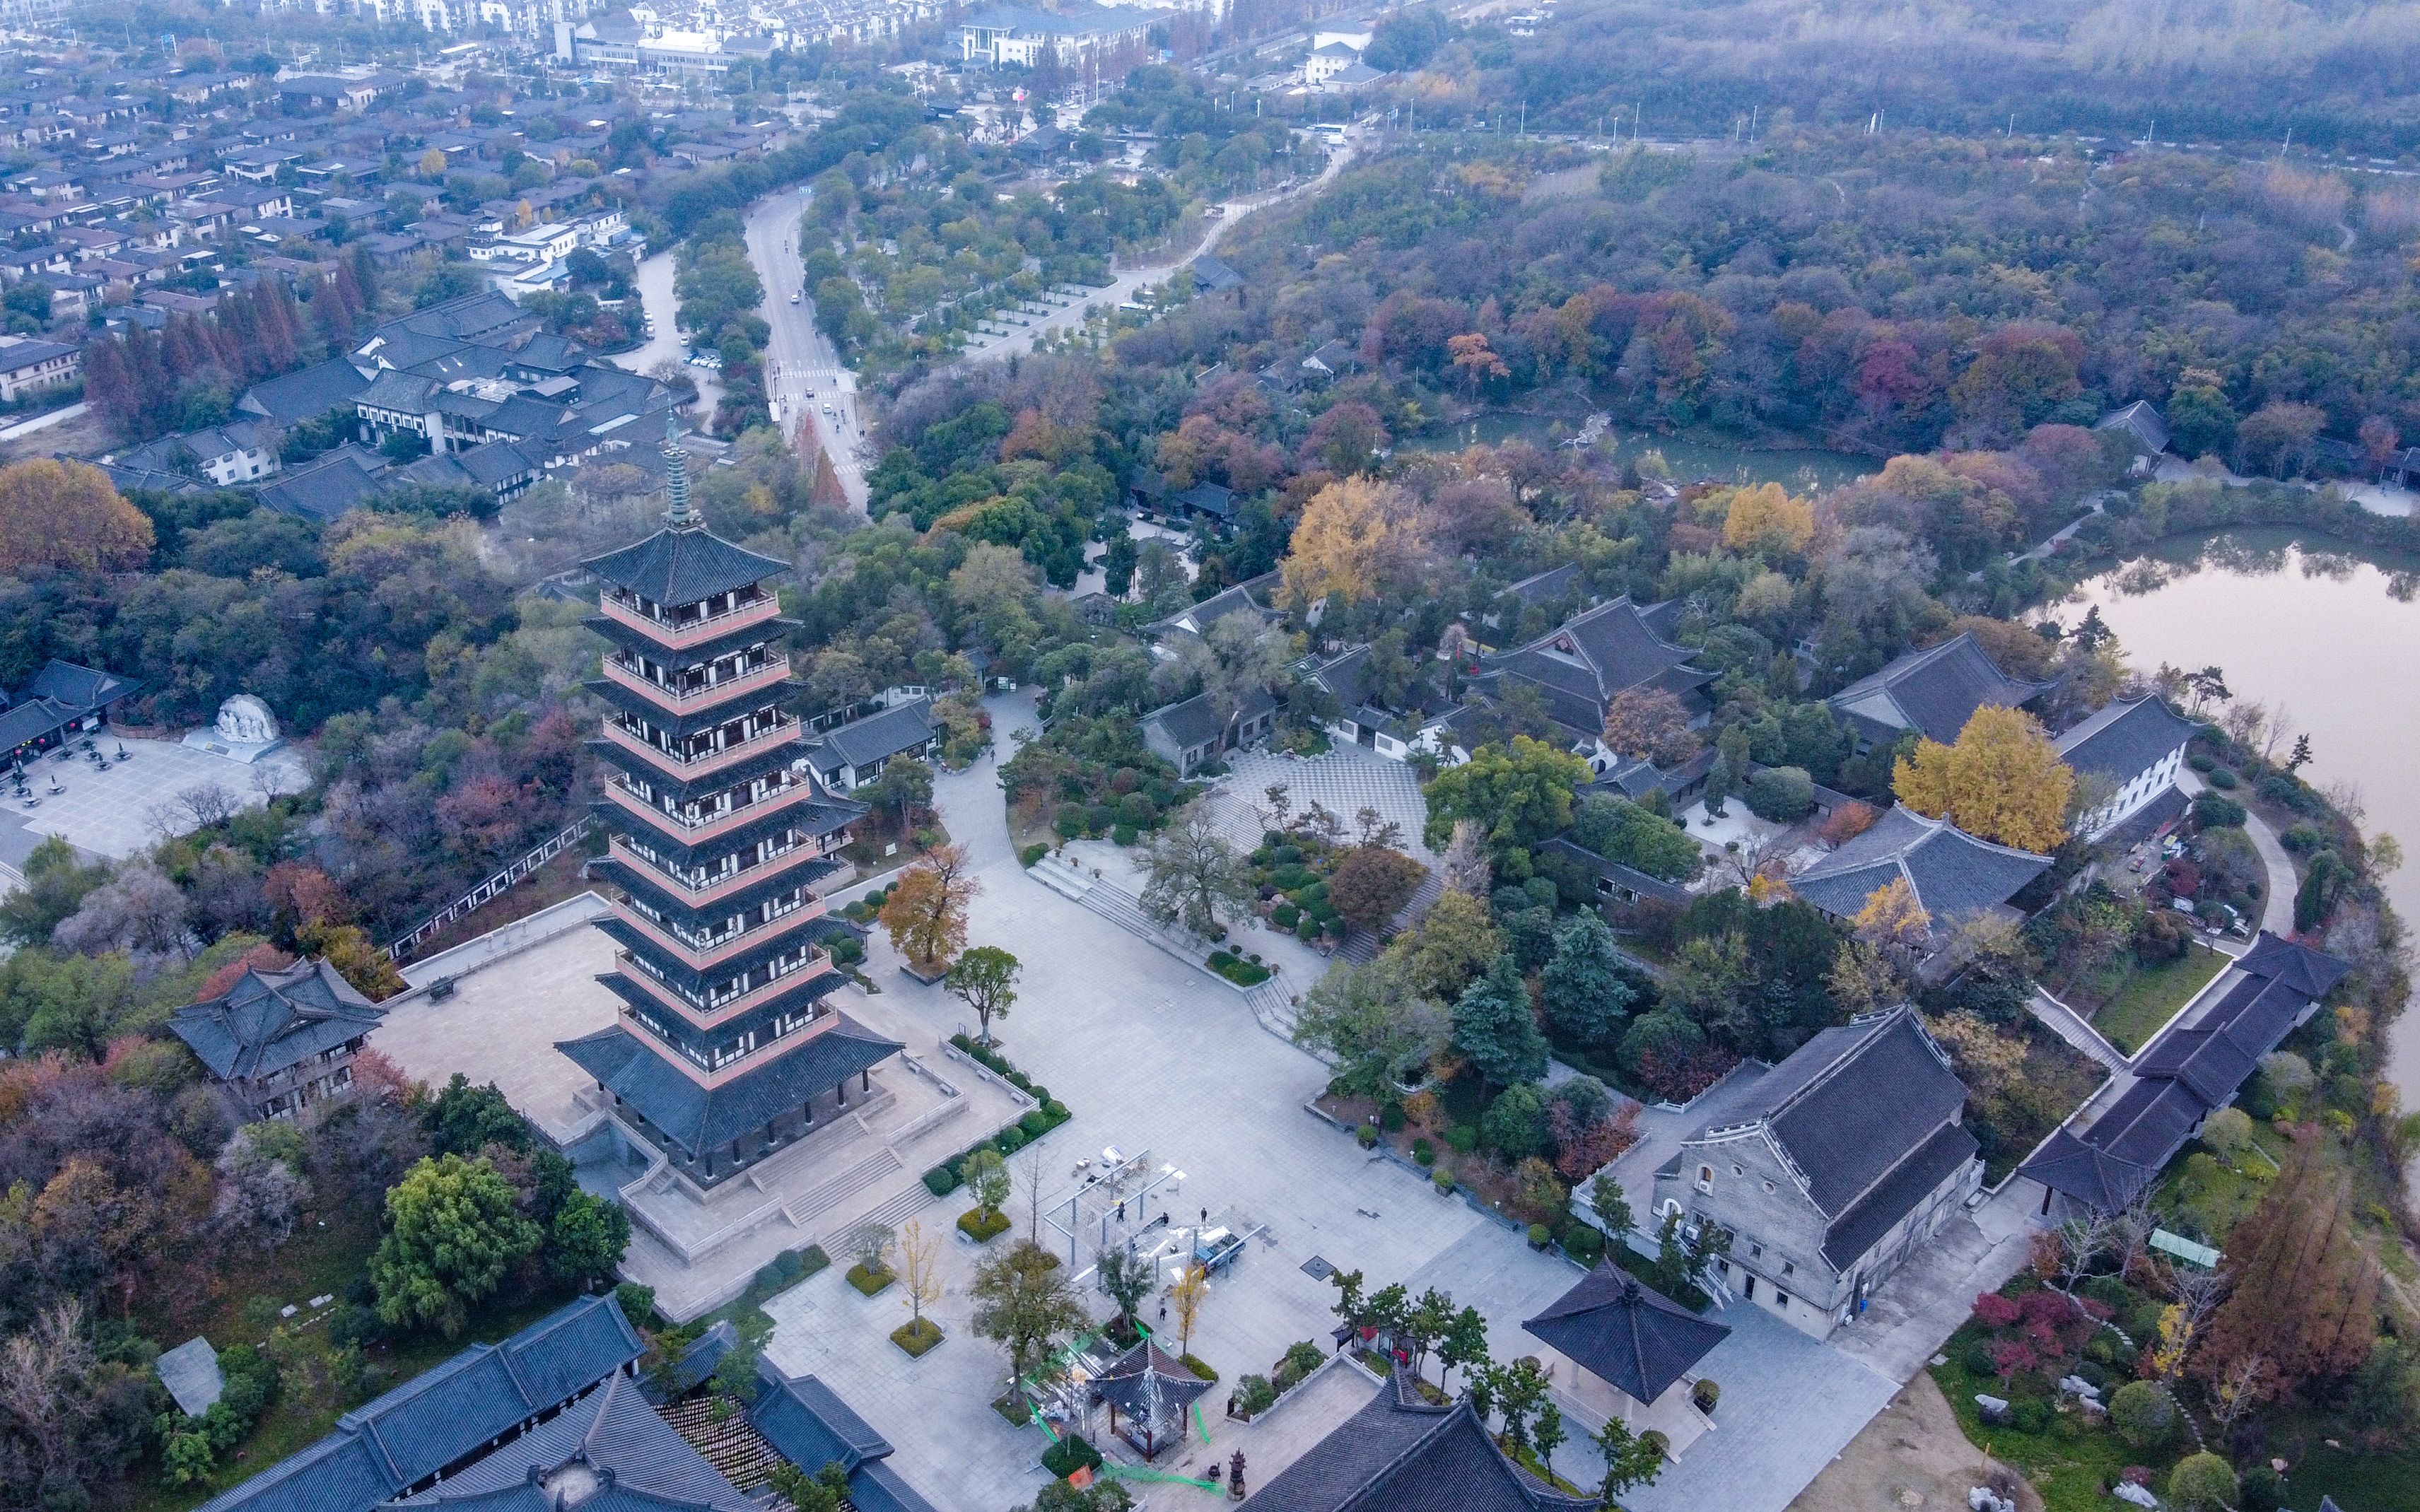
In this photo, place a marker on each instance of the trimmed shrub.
(1779, 794)
(2213, 810)
(1306, 929)
(1028, 855)
(1124, 834)
(1009, 1140)
(1035, 1123)
(941, 1181)
(1390, 1117)
(2220, 778)
(1057, 1112)
(1285, 916)
(1201, 1370)
(1423, 1154)
(1287, 855)
(1137, 809)
(1705, 1394)
(2203, 1483)
(1583, 1244)
(1461, 1138)
(2144, 1414)
(1540, 1236)
(869, 1283)
(1444, 1180)
(1255, 1395)
(2201, 763)
(982, 1227)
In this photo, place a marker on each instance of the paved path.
(1128, 284)
(2277, 898)
(804, 375)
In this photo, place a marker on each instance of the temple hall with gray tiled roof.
(1399, 1452)
(1934, 692)
(276, 1040)
(1834, 1168)
(1953, 874)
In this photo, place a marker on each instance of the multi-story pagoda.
(727, 1048)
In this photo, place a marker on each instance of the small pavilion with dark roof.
(1628, 1336)
(1154, 1389)
(278, 1039)
(1401, 1452)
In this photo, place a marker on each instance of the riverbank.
(2312, 629)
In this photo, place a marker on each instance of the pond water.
(1690, 458)
(2327, 636)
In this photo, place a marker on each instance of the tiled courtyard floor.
(131, 805)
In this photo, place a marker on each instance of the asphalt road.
(804, 375)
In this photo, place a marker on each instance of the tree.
(2305, 1293)
(1630, 1459)
(986, 1174)
(1464, 1344)
(1548, 1435)
(1357, 538)
(906, 784)
(1893, 921)
(2276, 437)
(1194, 873)
(1621, 830)
(1187, 1295)
(1765, 519)
(1492, 1025)
(984, 978)
(2002, 781)
(55, 885)
(1372, 884)
(1023, 1304)
(586, 1239)
(826, 1490)
(869, 1245)
(455, 1231)
(1651, 724)
(920, 1271)
(1476, 360)
(67, 514)
(1582, 988)
(1126, 1277)
(1612, 1208)
(926, 910)
(2379, 442)
(1453, 946)
(1373, 1023)
(1519, 795)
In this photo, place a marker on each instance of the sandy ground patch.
(1913, 1458)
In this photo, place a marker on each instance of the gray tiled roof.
(876, 737)
(1934, 691)
(1401, 1454)
(1624, 1334)
(77, 687)
(1149, 1384)
(1585, 663)
(612, 1429)
(683, 567)
(2186, 1074)
(306, 395)
(811, 1425)
(1852, 1102)
(697, 1118)
(1952, 872)
(1912, 1180)
(2123, 740)
(446, 1414)
(1194, 722)
(271, 1020)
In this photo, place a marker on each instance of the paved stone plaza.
(1152, 1057)
(1344, 782)
(132, 804)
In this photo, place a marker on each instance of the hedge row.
(944, 1179)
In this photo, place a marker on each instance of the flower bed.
(917, 1336)
(871, 1283)
(981, 1227)
(1243, 973)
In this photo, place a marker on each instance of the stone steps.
(848, 1183)
(905, 1206)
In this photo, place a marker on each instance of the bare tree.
(2239, 1389)
(2082, 1240)
(210, 805)
(920, 1271)
(1195, 874)
(138, 910)
(1467, 868)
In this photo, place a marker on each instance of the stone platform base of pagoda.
(701, 1246)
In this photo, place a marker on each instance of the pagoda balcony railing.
(723, 947)
(698, 831)
(718, 1007)
(692, 632)
(707, 763)
(698, 895)
(768, 675)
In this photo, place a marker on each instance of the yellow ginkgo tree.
(2002, 781)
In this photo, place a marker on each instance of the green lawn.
(2149, 998)
(2069, 1464)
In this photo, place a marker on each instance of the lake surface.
(2327, 636)
(1689, 458)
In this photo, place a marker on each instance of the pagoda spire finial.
(676, 474)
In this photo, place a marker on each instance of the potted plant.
(1540, 1236)
(1705, 1394)
(1444, 1180)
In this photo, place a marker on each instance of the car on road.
(794, 298)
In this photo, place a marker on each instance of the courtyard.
(132, 804)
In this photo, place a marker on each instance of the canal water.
(2326, 635)
(1688, 457)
